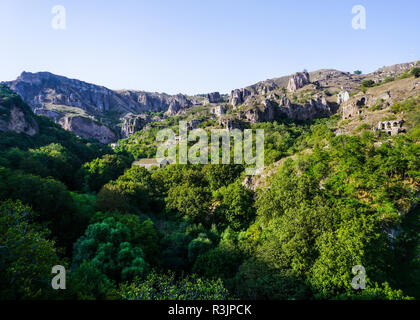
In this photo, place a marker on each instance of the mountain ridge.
(121, 112)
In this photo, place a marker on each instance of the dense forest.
(196, 231)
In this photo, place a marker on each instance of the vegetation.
(196, 232)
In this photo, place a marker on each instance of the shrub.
(415, 72)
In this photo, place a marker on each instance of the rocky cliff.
(88, 128)
(15, 115)
(133, 123)
(76, 105)
(297, 81)
(59, 98)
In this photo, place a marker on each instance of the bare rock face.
(133, 123)
(49, 113)
(354, 107)
(297, 81)
(88, 128)
(313, 108)
(44, 91)
(266, 112)
(230, 124)
(284, 102)
(238, 96)
(343, 96)
(39, 89)
(15, 115)
(178, 104)
(16, 119)
(214, 97)
(218, 111)
(265, 88)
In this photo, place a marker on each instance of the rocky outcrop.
(15, 115)
(297, 81)
(133, 123)
(392, 71)
(44, 91)
(42, 88)
(15, 119)
(230, 124)
(214, 97)
(218, 111)
(238, 96)
(342, 96)
(56, 116)
(88, 128)
(178, 104)
(265, 112)
(313, 108)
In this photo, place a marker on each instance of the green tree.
(198, 246)
(236, 205)
(100, 171)
(415, 72)
(166, 287)
(26, 256)
(106, 245)
(87, 282)
(191, 201)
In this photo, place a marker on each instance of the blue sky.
(199, 46)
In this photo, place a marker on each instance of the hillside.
(336, 191)
(93, 111)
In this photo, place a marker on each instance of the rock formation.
(297, 81)
(44, 91)
(133, 123)
(343, 96)
(16, 119)
(214, 97)
(238, 96)
(88, 128)
(265, 112)
(177, 104)
(313, 108)
(218, 111)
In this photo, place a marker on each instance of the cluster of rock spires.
(91, 111)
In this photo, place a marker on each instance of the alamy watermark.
(359, 20)
(58, 22)
(176, 149)
(359, 281)
(58, 281)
